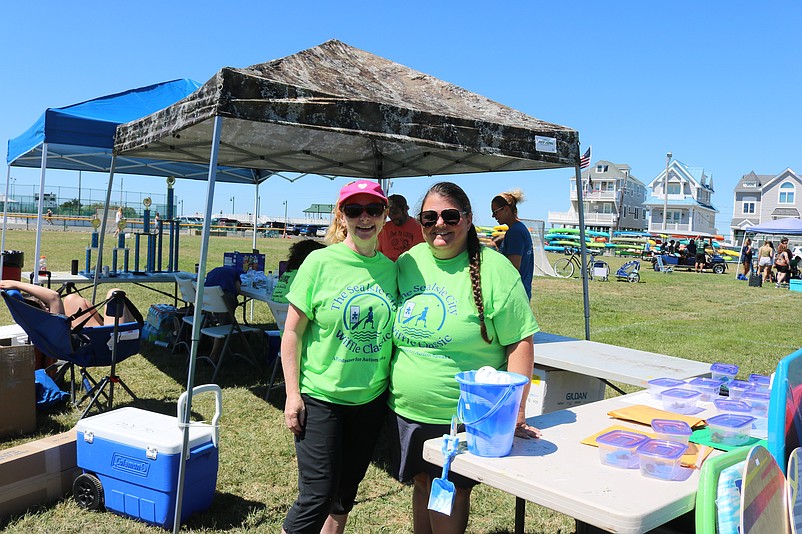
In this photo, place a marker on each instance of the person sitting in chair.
(298, 253)
(228, 280)
(68, 305)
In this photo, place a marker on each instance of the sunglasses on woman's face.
(374, 209)
(450, 216)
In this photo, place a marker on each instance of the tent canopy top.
(337, 110)
(80, 137)
(787, 226)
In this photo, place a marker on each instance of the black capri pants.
(334, 452)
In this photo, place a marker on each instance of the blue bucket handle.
(461, 407)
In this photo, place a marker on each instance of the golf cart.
(713, 262)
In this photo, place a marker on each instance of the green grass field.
(703, 317)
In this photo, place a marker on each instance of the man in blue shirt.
(228, 280)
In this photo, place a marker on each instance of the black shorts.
(406, 439)
(781, 268)
(700, 257)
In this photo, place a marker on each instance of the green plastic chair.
(707, 492)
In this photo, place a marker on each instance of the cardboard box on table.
(37, 472)
(17, 390)
(556, 389)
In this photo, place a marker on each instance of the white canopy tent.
(340, 111)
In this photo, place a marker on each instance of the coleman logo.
(129, 465)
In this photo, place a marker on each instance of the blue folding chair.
(785, 409)
(80, 345)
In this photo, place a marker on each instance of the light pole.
(285, 218)
(182, 206)
(232, 205)
(79, 193)
(665, 191)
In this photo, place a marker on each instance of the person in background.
(71, 304)
(478, 315)
(701, 257)
(402, 233)
(765, 259)
(517, 243)
(49, 216)
(336, 351)
(298, 253)
(782, 262)
(746, 260)
(118, 216)
(156, 220)
(228, 280)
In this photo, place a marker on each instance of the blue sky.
(715, 83)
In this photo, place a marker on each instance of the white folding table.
(560, 473)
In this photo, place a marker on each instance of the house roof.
(685, 202)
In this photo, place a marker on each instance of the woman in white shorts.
(765, 256)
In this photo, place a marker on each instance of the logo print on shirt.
(422, 316)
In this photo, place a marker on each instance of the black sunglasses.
(374, 209)
(451, 217)
(493, 214)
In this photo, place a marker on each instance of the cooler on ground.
(130, 460)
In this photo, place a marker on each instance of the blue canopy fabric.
(787, 226)
(81, 136)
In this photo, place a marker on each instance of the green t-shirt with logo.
(437, 331)
(350, 302)
(283, 286)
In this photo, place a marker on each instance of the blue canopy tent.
(81, 137)
(787, 226)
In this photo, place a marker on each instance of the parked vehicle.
(309, 230)
(714, 263)
(321, 232)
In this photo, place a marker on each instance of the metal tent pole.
(40, 211)
(196, 320)
(102, 236)
(584, 250)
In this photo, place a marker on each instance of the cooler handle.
(218, 407)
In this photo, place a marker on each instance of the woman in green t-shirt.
(336, 351)
(298, 253)
(461, 307)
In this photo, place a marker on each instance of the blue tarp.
(81, 136)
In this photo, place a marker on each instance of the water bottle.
(270, 282)
(42, 264)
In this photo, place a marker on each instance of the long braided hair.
(455, 193)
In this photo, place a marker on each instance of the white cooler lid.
(143, 429)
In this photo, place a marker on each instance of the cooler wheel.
(88, 492)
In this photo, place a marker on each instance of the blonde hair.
(511, 198)
(337, 229)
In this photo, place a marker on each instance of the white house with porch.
(760, 198)
(687, 200)
(613, 200)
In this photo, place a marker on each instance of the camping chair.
(279, 311)
(661, 266)
(718, 499)
(84, 346)
(214, 302)
(629, 272)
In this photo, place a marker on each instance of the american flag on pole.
(584, 161)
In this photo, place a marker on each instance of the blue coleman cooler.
(130, 460)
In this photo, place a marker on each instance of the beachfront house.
(760, 198)
(687, 201)
(613, 200)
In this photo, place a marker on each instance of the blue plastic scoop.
(441, 498)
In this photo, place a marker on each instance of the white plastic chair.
(279, 311)
(214, 302)
(186, 287)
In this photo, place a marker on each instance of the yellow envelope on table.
(639, 413)
(688, 459)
